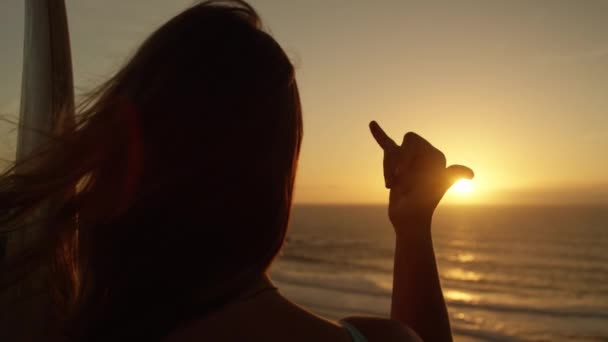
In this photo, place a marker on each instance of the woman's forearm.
(417, 298)
(417, 177)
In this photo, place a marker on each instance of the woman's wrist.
(413, 228)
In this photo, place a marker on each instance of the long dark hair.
(173, 188)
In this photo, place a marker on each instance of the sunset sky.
(517, 90)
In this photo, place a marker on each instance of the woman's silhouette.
(171, 197)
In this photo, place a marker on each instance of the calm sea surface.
(508, 273)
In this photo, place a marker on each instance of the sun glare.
(462, 187)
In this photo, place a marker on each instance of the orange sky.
(514, 89)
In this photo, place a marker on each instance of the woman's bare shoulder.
(382, 329)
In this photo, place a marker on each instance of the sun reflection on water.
(461, 274)
(460, 296)
(463, 257)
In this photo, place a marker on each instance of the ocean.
(508, 273)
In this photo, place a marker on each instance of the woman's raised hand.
(416, 175)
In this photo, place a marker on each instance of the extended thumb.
(457, 172)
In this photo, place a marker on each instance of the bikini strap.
(353, 331)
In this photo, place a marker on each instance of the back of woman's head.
(184, 163)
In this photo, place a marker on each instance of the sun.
(462, 187)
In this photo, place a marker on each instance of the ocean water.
(508, 273)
